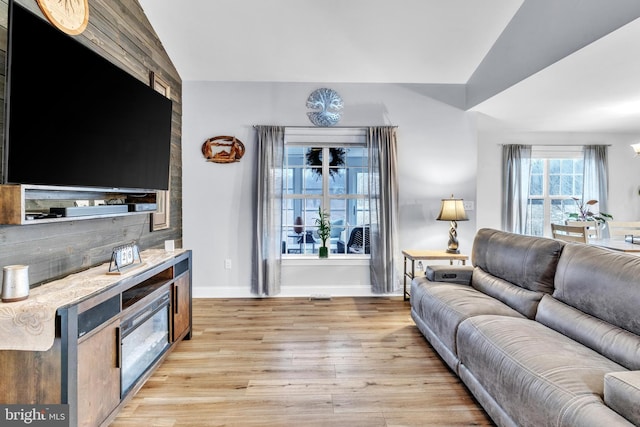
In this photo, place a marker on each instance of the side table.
(414, 255)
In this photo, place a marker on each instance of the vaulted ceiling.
(538, 65)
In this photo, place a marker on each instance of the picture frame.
(160, 218)
(159, 85)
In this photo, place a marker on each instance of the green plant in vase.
(585, 214)
(324, 231)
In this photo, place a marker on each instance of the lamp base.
(452, 247)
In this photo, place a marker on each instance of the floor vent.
(315, 297)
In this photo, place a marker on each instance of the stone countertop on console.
(30, 324)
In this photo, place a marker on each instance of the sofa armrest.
(460, 274)
(622, 394)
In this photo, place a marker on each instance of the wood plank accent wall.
(119, 31)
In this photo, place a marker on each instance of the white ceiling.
(597, 89)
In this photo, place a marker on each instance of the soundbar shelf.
(22, 204)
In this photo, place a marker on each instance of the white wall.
(437, 157)
(624, 168)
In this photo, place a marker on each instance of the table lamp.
(452, 210)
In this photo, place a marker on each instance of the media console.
(101, 336)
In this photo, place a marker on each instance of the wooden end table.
(415, 255)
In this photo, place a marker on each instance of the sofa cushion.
(612, 341)
(336, 228)
(526, 261)
(520, 299)
(442, 306)
(536, 375)
(622, 393)
(602, 283)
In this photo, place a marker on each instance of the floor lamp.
(452, 210)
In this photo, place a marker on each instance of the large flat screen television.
(75, 119)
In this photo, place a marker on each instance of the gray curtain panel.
(596, 172)
(383, 193)
(267, 258)
(516, 168)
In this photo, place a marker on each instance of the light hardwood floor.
(295, 362)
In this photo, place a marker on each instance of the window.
(325, 169)
(556, 176)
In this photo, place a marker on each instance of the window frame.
(325, 138)
(547, 153)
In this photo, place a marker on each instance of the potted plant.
(324, 231)
(584, 212)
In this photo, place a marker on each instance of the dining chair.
(569, 233)
(591, 227)
(619, 229)
(359, 242)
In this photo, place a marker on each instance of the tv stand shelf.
(24, 204)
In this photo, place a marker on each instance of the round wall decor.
(70, 16)
(327, 106)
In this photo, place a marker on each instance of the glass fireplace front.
(145, 337)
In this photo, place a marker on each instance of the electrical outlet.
(227, 264)
(468, 205)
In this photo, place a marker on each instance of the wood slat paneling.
(119, 31)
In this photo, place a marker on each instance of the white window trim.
(325, 137)
(333, 135)
(547, 152)
(557, 151)
(334, 259)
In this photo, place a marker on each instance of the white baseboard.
(291, 291)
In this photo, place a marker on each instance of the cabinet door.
(99, 375)
(181, 306)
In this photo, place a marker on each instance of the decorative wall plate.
(327, 106)
(222, 155)
(70, 16)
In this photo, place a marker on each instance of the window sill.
(333, 259)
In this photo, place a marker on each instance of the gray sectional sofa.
(543, 333)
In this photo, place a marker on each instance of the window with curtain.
(554, 183)
(293, 182)
(327, 169)
(556, 177)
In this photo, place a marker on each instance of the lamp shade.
(636, 147)
(452, 210)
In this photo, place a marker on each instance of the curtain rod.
(558, 145)
(328, 127)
